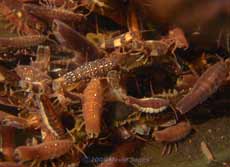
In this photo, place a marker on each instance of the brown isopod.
(148, 105)
(173, 133)
(50, 118)
(50, 14)
(21, 41)
(92, 107)
(204, 87)
(44, 151)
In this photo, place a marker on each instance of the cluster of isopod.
(66, 87)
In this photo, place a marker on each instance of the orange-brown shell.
(173, 133)
(43, 151)
(92, 107)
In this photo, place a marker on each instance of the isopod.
(148, 105)
(173, 133)
(49, 14)
(204, 87)
(21, 41)
(92, 107)
(50, 118)
(44, 151)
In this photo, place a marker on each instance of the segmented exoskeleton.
(21, 41)
(44, 151)
(148, 105)
(50, 117)
(92, 107)
(172, 134)
(49, 14)
(204, 87)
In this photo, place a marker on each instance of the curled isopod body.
(92, 107)
(173, 133)
(204, 87)
(44, 151)
(50, 118)
(148, 105)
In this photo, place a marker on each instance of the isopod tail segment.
(172, 134)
